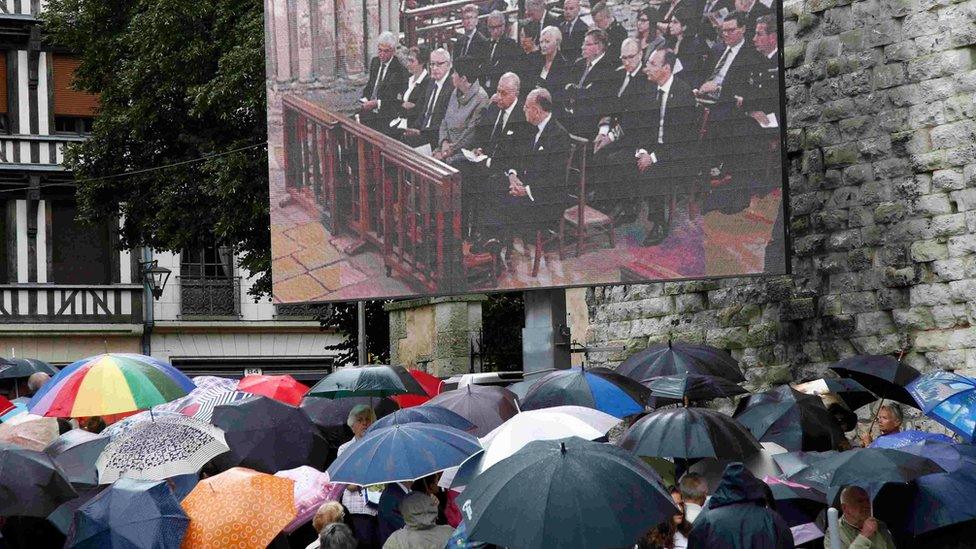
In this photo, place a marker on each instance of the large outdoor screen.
(429, 149)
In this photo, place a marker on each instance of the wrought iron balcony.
(210, 296)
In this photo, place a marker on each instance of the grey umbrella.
(31, 484)
(485, 406)
(369, 381)
(12, 368)
(76, 452)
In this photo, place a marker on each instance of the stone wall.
(881, 113)
(435, 334)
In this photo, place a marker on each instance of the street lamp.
(154, 276)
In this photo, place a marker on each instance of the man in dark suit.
(591, 86)
(426, 128)
(573, 29)
(750, 11)
(503, 53)
(380, 101)
(472, 43)
(616, 33)
(538, 18)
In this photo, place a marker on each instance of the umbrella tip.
(562, 447)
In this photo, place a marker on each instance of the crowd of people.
(687, 105)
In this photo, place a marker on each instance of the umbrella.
(268, 435)
(908, 438)
(598, 388)
(521, 388)
(76, 452)
(483, 405)
(284, 388)
(155, 450)
(760, 464)
(374, 381)
(676, 358)
(794, 420)
(329, 414)
(689, 433)
(238, 508)
(950, 456)
(130, 513)
(123, 426)
(205, 387)
(203, 408)
(796, 503)
(16, 408)
(62, 516)
(34, 434)
(312, 489)
(402, 453)
(109, 384)
(565, 493)
(31, 484)
(851, 392)
(793, 462)
(431, 385)
(692, 386)
(425, 414)
(24, 367)
(883, 375)
(5, 406)
(948, 398)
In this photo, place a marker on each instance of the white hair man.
(380, 100)
(858, 529)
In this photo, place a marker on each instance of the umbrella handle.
(875, 418)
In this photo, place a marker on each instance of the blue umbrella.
(424, 414)
(598, 388)
(76, 452)
(130, 513)
(948, 398)
(402, 453)
(950, 456)
(907, 438)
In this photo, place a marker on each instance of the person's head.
(765, 38)
(440, 63)
(647, 21)
(337, 536)
(678, 517)
(469, 17)
(733, 30)
(535, 10)
(693, 487)
(465, 73)
(419, 510)
(93, 424)
(660, 66)
(855, 505)
(360, 418)
(594, 44)
(890, 418)
(417, 58)
(550, 40)
(507, 91)
(571, 9)
(601, 15)
(538, 105)
(328, 513)
(743, 6)
(630, 54)
(36, 381)
(526, 40)
(386, 46)
(497, 25)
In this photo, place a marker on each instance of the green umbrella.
(367, 381)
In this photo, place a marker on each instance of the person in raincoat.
(738, 516)
(419, 512)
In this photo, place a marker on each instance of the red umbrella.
(5, 405)
(282, 388)
(431, 385)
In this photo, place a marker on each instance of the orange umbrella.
(239, 508)
(431, 385)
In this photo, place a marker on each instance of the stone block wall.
(881, 110)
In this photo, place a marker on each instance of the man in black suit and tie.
(426, 128)
(616, 33)
(472, 43)
(380, 101)
(573, 29)
(538, 18)
(503, 52)
(591, 86)
(750, 11)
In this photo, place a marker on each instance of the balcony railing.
(210, 296)
(34, 151)
(70, 303)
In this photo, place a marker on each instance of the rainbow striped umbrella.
(109, 384)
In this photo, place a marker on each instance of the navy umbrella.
(692, 386)
(689, 433)
(948, 398)
(598, 388)
(402, 453)
(676, 358)
(268, 435)
(370, 381)
(76, 452)
(31, 484)
(483, 405)
(130, 513)
(794, 420)
(565, 493)
(12, 368)
(908, 438)
(424, 414)
(883, 375)
(62, 516)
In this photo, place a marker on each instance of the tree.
(179, 80)
(344, 319)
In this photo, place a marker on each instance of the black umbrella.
(792, 462)
(31, 484)
(328, 413)
(565, 493)
(689, 433)
(796, 503)
(598, 388)
(692, 387)
(268, 435)
(370, 381)
(24, 367)
(883, 375)
(76, 452)
(853, 394)
(483, 405)
(794, 420)
(676, 358)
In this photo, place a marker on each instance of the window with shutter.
(73, 109)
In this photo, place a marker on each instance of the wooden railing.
(362, 182)
(71, 303)
(25, 151)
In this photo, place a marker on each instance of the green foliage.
(344, 319)
(503, 317)
(179, 80)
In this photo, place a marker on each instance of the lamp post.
(154, 279)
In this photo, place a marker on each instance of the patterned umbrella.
(204, 409)
(109, 384)
(156, 450)
(238, 508)
(31, 484)
(76, 452)
(122, 427)
(206, 386)
(24, 367)
(130, 513)
(35, 434)
(284, 388)
(312, 489)
(948, 398)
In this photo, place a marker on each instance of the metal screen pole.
(361, 321)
